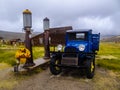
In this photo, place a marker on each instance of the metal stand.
(28, 45)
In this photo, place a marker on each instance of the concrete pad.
(38, 62)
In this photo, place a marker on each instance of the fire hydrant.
(21, 55)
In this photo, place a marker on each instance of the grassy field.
(7, 54)
(109, 56)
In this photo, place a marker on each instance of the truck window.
(77, 36)
(80, 36)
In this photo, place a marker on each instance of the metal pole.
(28, 45)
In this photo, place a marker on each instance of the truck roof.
(79, 30)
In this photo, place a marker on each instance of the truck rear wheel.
(53, 66)
(90, 68)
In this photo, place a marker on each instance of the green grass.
(7, 54)
(38, 52)
(109, 56)
(109, 49)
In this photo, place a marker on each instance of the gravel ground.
(71, 80)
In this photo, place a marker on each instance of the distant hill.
(112, 38)
(14, 35)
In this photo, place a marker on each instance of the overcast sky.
(100, 15)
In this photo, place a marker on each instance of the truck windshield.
(77, 36)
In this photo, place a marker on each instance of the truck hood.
(76, 45)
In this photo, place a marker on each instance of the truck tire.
(53, 68)
(90, 68)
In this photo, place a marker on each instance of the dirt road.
(71, 80)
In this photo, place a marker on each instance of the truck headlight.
(59, 47)
(81, 47)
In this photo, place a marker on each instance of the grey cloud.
(62, 13)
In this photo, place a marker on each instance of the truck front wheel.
(53, 66)
(90, 68)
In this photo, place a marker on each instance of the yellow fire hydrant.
(21, 55)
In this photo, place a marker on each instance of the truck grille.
(70, 58)
(69, 61)
(70, 52)
(70, 49)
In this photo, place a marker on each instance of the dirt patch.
(4, 66)
(68, 80)
(7, 80)
(71, 80)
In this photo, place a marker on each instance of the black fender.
(92, 56)
(56, 56)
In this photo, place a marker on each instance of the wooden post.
(46, 44)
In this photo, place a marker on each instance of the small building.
(56, 36)
(1, 38)
(15, 41)
(37, 40)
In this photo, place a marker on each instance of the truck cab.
(79, 52)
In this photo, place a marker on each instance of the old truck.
(79, 52)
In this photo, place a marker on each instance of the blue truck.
(79, 52)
